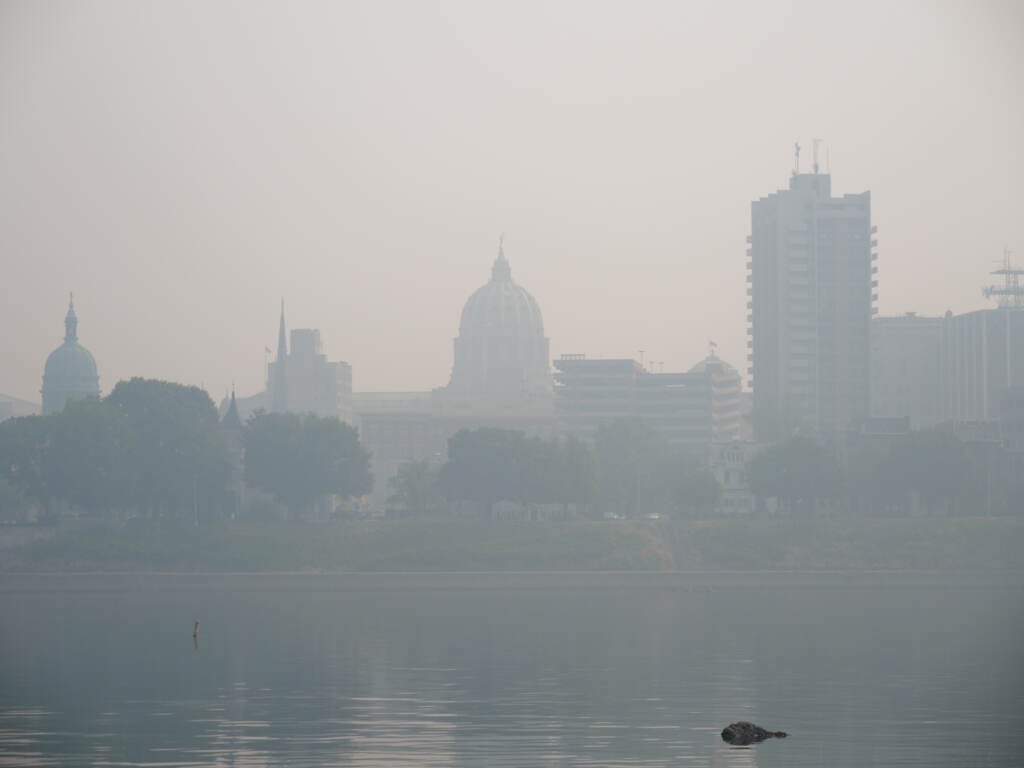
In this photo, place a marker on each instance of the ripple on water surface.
(566, 678)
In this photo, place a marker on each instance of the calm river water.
(299, 671)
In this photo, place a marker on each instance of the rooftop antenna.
(828, 159)
(1011, 293)
(796, 158)
(816, 142)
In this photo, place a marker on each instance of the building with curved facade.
(70, 371)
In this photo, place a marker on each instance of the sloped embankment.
(446, 545)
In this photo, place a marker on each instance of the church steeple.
(282, 339)
(71, 321)
(278, 383)
(231, 419)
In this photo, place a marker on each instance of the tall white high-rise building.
(811, 297)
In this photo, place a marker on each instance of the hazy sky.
(183, 166)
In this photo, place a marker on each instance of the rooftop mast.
(1011, 293)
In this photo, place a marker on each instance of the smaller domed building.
(70, 371)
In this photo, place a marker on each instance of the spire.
(71, 321)
(278, 372)
(231, 419)
(501, 271)
(282, 340)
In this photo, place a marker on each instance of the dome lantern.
(71, 321)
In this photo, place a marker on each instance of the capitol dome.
(501, 307)
(70, 371)
(501, 346)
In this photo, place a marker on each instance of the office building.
(810, 301)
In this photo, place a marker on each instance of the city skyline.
(182, 197)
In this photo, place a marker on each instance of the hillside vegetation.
(473, 545)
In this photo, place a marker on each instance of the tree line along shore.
(158, 450)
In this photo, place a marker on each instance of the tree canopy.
(23, 443)
(298, 459)
(149, 446)
(416, 488)
(636, 466)
(488, 465)
(177, 451)
(797, 472)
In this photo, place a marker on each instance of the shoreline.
(503, 580)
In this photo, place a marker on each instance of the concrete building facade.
(810, 302)
(981, 356)
(906, 379)
(692, 410)
(303, 380)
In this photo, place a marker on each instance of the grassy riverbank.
(463, 545)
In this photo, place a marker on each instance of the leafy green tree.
(14, 505)
(177, 456)
(489, 465)
(23, 440)
(636, 467)
(416, 488)
(797, 472)
(866, 491)
(697, 492)
(89, 457)
(485, 466)
(299, 459)
(933, 464)
(576, 479)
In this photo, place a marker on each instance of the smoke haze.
(181, 167)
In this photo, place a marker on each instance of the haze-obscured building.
(501, 375)
(810, 300)
(12, 407)
(729, 462)
(398, 427)
(691, 410)
(981, 356)
(906, 380)
(70, 370)
(303, 380)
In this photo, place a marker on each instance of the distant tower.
(1010, 294)
(231, 421)
(70, 371)
(278, 371)
(231, 427)
(811, 293)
